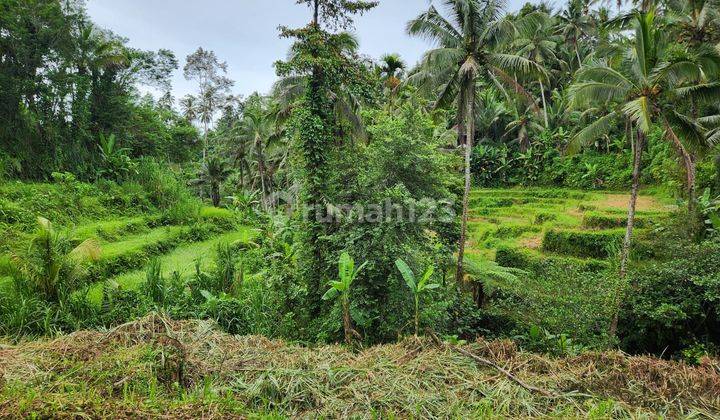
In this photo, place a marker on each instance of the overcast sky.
(244, 32)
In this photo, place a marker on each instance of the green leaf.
(715, 219)
(407, 274)
(207, 295)
(428, 273)
(340, 286)
(432, 286)
(346, 267)
(331, 294)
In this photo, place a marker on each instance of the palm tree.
(256, 131)
(574, 26)
(467, 50)
(53, 267)
(649, 90)
(697, 22)
(536, 42)
(391, 70)
(523, 126)
(189, 107)
(289, 89)
(214, 172)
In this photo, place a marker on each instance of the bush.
(674, 303)
(597, 220)
(583, 244)
(167, 192)
(525, 259)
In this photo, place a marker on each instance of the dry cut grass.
(157, 367)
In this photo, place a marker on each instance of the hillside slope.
(159, 367)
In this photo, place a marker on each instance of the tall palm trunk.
(470, 128)
(461, 123)
(261, 173)
(542, 94)
(627, 242)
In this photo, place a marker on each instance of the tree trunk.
(417, 314)
(261, 172)
(542, 94)
(691, 173)
(205, 143)
(316, 13)
(215, 194)
(627, 242)
(347, 322)
(577, 52)
(459, 276)
(461, 123)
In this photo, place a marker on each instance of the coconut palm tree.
(466, 50)
(256, 132)
(214, 172)
(536, 41)
(648, 89)
(522, 127)
(189, 107)
(574, 25)
(697, 22)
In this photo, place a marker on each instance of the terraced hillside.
(517, 226)
(129, 232)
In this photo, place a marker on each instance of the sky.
(244, 33)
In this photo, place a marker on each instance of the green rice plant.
(597, 220)
(418, 288)
(341, 288)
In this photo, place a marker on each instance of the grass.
(156, 367)
(138, 242)
(181, 260)
(112, 229)
(522, 217)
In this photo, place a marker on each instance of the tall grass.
(167, 192)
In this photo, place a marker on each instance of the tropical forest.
(521, 222)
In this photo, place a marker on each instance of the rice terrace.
(360, 209)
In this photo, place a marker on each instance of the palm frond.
(592, 132)
(638, 110)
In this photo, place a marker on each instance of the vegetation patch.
(156, 366)
(584, 244)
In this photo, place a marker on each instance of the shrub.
(583, 244)
(674, 303)
(526, 259)
(597, 220)
(167, 192)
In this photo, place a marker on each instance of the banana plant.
(341, 288)
(417, 287)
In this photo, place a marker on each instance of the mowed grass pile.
(159, 367)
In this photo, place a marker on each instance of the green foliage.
(597, 220)
(674, 303)
(117, 165)
(52, 267)
(418, 287)
(167, 192)
(585, 244)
